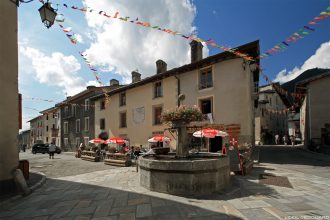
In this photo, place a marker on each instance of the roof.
(89, 90)
(35, 118)
(251, 48)
(52, 109)
(307, 81)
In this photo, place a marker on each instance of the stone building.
(315, 108)
(224, 86)
(77, 117)
(51, 126)
(269, 117)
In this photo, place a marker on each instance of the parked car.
(43, 148)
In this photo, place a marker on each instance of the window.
(122, 99)
(74, 110)
(66, 127)
(102, 106)
(86, 123)
(157, 113)
(47, 128)
(66, 110)
(158, 90)
(86, 141)
(86, 104)
(102, 123)
(53, 115)
(122, 118)
(47, 117)
(46, 139)
(53, 126)
(205, 78)
(206, 105)
(78, 126)
(66, 141)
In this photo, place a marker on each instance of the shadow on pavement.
(66, 199)
(290, 155)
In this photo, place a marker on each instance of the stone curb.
(32, 188)
(325, 156)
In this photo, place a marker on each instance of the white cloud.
(122, 47)
(320, 59)
(54, 70)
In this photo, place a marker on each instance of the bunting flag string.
(73, 38)
(282, 111)
(192, 37)
(274, 50)
(53, 101)
(299, 34)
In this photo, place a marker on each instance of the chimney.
(196, 51)
(90, 87)
(161, 66)
(114, 82)
(135, 76)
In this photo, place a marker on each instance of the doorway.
(215, 144)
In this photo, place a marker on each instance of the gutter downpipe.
(309, 116)
(179, 90)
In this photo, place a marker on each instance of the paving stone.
(256, 204)
(83, 204)
(138, 201)
(143, 210)
(82, 217)
(40, 218)
(82, 211)
(106, 218)
(127, 216)
(257, 214)
(238, 204)
(301, 206)
(122, 210)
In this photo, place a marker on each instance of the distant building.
(51, 126)
(24, 139)
(315, 108)
(224, 86)
(77, 124)
(269, 117)
(36, 130)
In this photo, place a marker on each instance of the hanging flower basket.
(182, 115)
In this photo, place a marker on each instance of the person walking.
(277, 139)
(51, 150)
(293, 140)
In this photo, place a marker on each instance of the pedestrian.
(51, 150)
(285, 139)
(277, 139)
(293, 140)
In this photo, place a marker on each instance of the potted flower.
(178, 118)
(182, 114)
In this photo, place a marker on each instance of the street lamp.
(47, 14)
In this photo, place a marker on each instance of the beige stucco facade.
(315, 109)
(50, 126)
(9, 88)
(232, 97)
(139, 112)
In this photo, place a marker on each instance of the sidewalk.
(116, 194)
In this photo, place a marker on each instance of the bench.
(90, 156)
(118, 159)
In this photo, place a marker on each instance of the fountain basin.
(196, 175)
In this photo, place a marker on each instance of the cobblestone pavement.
(115, 194)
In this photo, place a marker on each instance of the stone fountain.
(182, 173)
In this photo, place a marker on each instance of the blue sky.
(50, 66)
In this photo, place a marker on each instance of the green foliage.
(183, 113)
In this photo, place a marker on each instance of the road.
(295, 158)
(64, 164)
